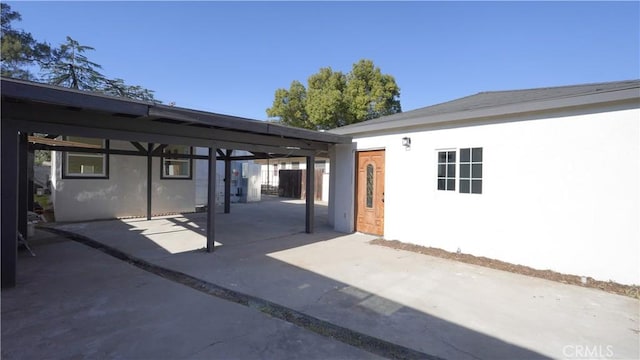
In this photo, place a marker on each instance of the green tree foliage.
(117, 87)
(332, 99)
(326, 105)
(289, 105)
(20, 51)
(71, 68)
(371, 94)
(66, 65)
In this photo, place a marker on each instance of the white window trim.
(471, 163)
(455, 178)
(189, 162)
(105, 158)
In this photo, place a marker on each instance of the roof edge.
(580, 100)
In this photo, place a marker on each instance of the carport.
(29, 108)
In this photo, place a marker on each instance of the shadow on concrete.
(248, 260)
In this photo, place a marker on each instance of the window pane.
(442, 157)
(465, 155)
(442, 170)
(172, 167)
(78, 164)
(441, 184)
(477, 154)
(465, 186)
(476, 186)
(464, 171)
(451, 184)
(176, 168)
(451, 156)
(369, 186)
(451, 170)
(476, 171)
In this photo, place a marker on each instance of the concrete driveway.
(73, 300)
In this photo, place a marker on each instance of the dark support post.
(23, 182)
(8, 213)
(211, 201)
(149, 178)
(30, 175)
(227, 182)
(310, 193)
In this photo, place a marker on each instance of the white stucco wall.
(559, 193)
(123, 194)
(341, 187)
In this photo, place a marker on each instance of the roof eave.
(497, 111)
(43, 93)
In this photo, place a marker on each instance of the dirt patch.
(608, 286)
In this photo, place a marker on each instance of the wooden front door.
(370, 192)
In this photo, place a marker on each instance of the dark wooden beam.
(30, 175)
(9, 204)
(158, 151)
(231, 138)
(185, 156)
(311, 194)
(23, 150)
(149, 178)
(219, 151)
(211, 202)
(246, 157)
(115, 152)
(155, 152)
(87, 150)
(227, 181)
(140, 148)
(29, 124)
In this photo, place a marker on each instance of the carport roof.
(29, 107)
(66, 110)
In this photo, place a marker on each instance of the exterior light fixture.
(406, 142)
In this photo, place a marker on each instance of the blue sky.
(230, 57)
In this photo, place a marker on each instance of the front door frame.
(357, 184)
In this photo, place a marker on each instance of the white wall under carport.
(123, 194)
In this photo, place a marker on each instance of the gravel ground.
(632, 291)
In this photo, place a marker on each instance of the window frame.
(77, 176)
(446, 164)
(370, 186)
(471, 178)
(177, 177)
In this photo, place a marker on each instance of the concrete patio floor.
(75, 301)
